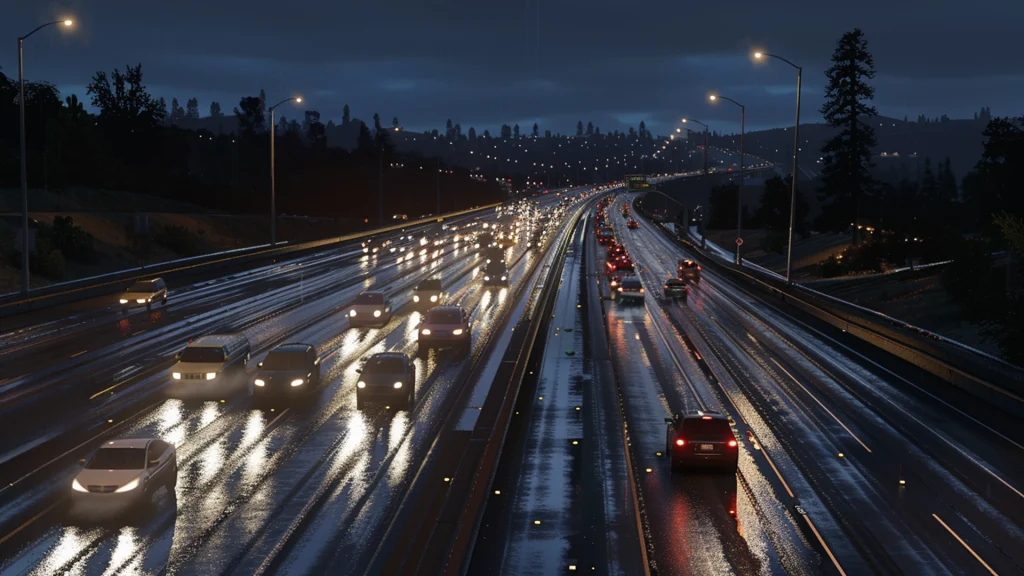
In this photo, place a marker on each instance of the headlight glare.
(259, 382)
(129, 486)
(360, 384)
(176, 375)
(78, 486)
(211, 375)
(297, 382)
(398, 385)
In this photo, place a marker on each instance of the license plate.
(707, 447)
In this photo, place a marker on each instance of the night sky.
(484, 63)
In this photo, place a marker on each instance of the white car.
(371, 308)
(445, 326)
(125, 471)
(145, 293)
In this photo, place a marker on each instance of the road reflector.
(903, 482)
(447, 479)
(658, 454)
(572, 567)
(841, 455)
(577, 408)
(111, 421)
(497, 492)
(575, 442)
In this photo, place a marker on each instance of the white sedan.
(126, 471)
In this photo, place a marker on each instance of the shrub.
(73, 241)
(179, 239)
(47, 261)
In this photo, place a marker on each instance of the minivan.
(211, 367)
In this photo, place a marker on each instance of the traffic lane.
(216, 454)
(544, 532)
(368, 498)
(902, 441)
(255, 311)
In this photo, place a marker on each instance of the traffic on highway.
(556, 384)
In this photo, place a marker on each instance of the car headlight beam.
(398, 385)
(259, 382)
(129, 486)
(297, 382)
(77, 486)
(352, 313)
(376, 313)
(176, 375)
(211, 375)
(360, 384)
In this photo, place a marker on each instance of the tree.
(632, 133)
(364, 142)
(846, 158)
(515, 131)
(457, 131)
(547, 134)
(345, 116)
(590, 128)
(597, 130)
(250, 116)
(449, 129)
(316, 134)
(536, 130)
(506, 131)
(394, 122)
(487, 134)
(579, 128)
(377, 128)
(192, 111)
(215, 111)
(994, 185)
(263, 107)
(948, 191)
(162, 107)
(643, 129)
(123, 101)
(773, 213)
(472, 134)
(177, 113)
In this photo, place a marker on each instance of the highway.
(543, 451)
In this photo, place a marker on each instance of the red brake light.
(680, 442)
(698, 268)
(732, 443)
(706, 418)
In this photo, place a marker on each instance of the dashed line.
(29, 522)
(958, 539)
(76, 354)
(139, 332)
(835, 562)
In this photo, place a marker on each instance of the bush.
(73, 241)
(179, 239)
(47, 261)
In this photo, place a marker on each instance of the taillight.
(732, 443)
(698, 268)
(680, 442)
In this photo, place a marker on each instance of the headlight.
(176, 375)
(211, 375)
(433, 298)
(123, 301)
(259, 382)
(503, 278)
(425, 332)
(141, 301)
(129, 486)
(376, 313)
(77, 486)
(415, 298)
(398, 385)
(360, 384)
(297, 382)
(620, 288)
(487, 278)
(457, 332)
(641, 290)
(352, 313)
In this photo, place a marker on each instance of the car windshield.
(444, 317)
(143, 286)
(434, 285)
(203, 354)
(285, 360)
(370, 298)
(384, 366)
(118, 459)
(716, 428)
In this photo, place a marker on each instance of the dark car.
(445, 326)
(427, 294)
(630, 291)
(632, 224)
(484, 240)
(288, 371)
(701, 439)
(388, 377)
(676, 288)
(688, 270)
(495, 274)
(494, 254)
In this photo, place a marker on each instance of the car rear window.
(700, 428)
(429, 285)
(285, 360)
(143, 286)
(118, 459)
(687, 264)
(384, 365)
(370, 298)
(203, 354)
(444, 317)
(631, 283)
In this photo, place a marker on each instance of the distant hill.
(899, 140)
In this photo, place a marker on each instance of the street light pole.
(739, 193)
(273, 170)
(24, 153)
(796, 150)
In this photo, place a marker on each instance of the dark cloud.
(553, 62)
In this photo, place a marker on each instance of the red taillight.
(680, 442)
(706, 418)
(732, 443)
(698, 268)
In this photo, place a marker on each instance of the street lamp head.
(758, 55)
(684, 120)
(712, 97)
(298, 99)
(69, 22)
(679, 129)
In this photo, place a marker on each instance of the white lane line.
(823, 407)
(76, 354)
(965, 545)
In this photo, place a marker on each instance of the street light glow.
(758, 55)
(712, 97)
(69, 22)
(298, 99)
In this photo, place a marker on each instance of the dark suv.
(388, 377)
(701, 439)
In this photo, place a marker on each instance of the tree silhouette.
(457, 131)
(123, 100)
(364, 142)
(192, 111)
(250, 116)
(643, 129)
(472, 134)
(345, 116)
(515, 131)
(177, 113)
(394, 122)
(263, 107)
(377, 128)
(449, 130)
(487, 134)
(506, 131)
(846, 158)
(215, 111)
(547, 134)
(579, 128)
(162, 107)
(315, 132)
(536, 130)
(590, 128)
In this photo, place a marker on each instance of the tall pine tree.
(846, 158)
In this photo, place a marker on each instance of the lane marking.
(770, 463)
(139, 332)
(27, 523)
(105, 390)
(958, 539)
(76, 354)
(823, 407)
(835, 562)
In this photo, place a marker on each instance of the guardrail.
(64, 292)
(982, 375)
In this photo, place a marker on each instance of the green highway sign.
(637, 182)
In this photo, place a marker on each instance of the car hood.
(197, 367)
(137, 295)
(282, 374)
(367, 307)
(107, 477)
(381, 378)
(439, 327)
